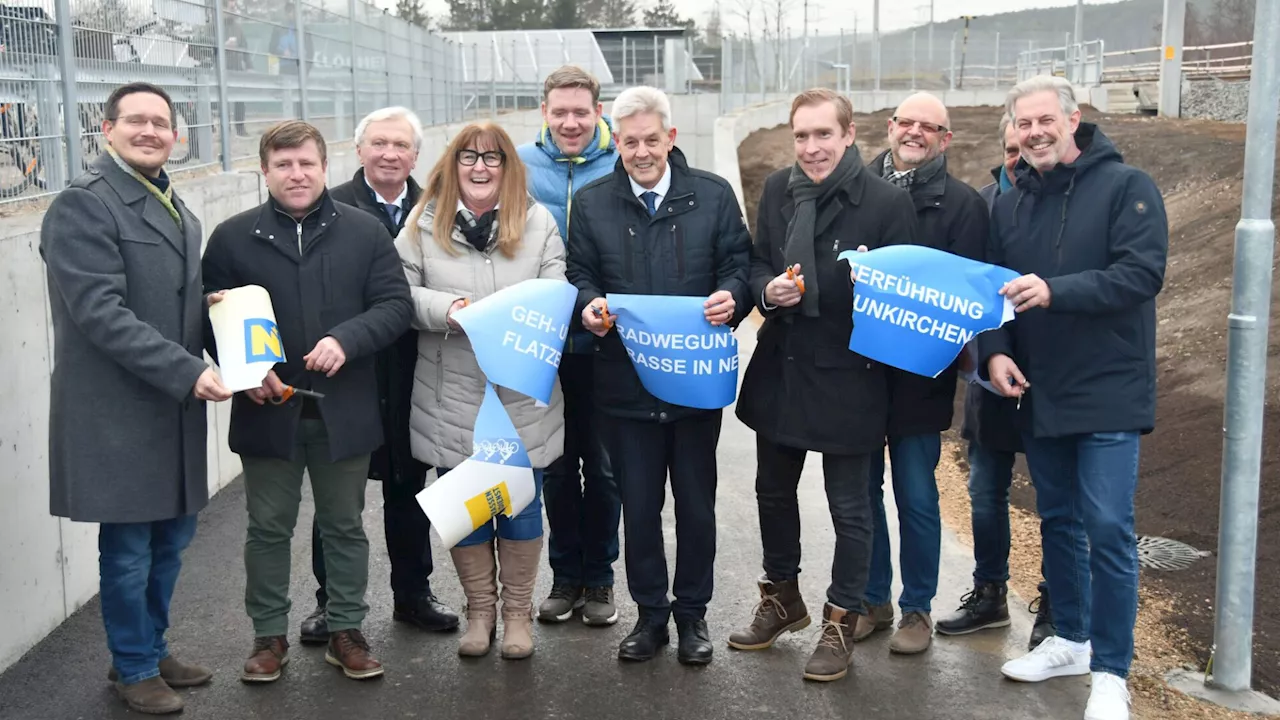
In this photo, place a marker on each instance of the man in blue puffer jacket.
(573, 148)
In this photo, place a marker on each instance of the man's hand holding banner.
(680, 356)
(915, 308)
(249, 344)
(517, 335)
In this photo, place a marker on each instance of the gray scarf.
(807, 196)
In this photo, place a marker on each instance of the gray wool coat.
(126, 436)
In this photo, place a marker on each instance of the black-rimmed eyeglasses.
(492, 158)
(905, 123)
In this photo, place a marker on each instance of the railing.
(1081, 63)
(1225, 60)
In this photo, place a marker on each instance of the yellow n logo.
(262, 341)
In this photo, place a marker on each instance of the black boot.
(646, 638)
(695, 642)
(426, 612)
(984, 607)
(1043, 628)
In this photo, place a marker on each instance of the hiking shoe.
(833, 655)
(1109, 698)
(1043, 628)
(1052, 658)
(981, 608)
(781, 609)
(598, 608)
(151, 697)
(914, 634)
(877, 618)
(350, 651)
(561, 603)
(176, 674)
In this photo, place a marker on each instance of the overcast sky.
(832, 15)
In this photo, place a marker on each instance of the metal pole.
(494, 59)
(930, 34)
(952, 53)
(995, 69)
(224, 114)
(875, 34)
(67, 70)
(913, 59)
(1175, 13)
(475, 79)
(624, 62)
(355, 80)
(655, 61)
(515, 90)
(1079, 29)
(1247, 368)
(302, 61)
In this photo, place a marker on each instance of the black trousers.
(777, 479)
(408, 541)
(644, 454)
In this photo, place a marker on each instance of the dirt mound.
(1199, 166)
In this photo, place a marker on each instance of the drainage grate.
(1159, 553)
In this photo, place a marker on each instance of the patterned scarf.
(479, 231)
(164, 196)
(913, 176)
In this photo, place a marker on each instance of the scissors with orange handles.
(602, 312)
(290, 391)
(791, 275)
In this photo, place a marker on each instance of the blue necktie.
(650, 201)
(393, 211)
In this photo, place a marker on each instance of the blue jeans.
(138, 565)
(526, 525)
(1084, 493)
(913, 460)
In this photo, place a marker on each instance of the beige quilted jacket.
(448, 384)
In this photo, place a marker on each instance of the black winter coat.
(950, 216)
(1096, 231)
(990, 420)
(695, 244)
(346, 283)
(394, 364)
(804, 388)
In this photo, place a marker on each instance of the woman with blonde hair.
(475, 231)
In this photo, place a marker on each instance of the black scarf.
(807, 196)
(479, 231)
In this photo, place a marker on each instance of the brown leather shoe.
(176, 674)
(914, 634)
(350, 651)
(270, 655)
(877, 618)
(781, 609)
(151, 697)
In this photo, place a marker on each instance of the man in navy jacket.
(1090, 236)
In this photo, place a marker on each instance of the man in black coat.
(339, 296)
(950, 216)
(991, 429)
(655, 226)
(804, 390)
(387, 143)
(1091, 237)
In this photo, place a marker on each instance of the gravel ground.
(1224, 101)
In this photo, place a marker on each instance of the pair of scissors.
(791, 275)
(290, 391)
(602, 312)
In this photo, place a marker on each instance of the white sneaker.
(1052, 658)
(1109, 699)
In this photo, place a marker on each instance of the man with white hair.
(952, 217)
(387, 144)
(1091, 238)
(655, 226)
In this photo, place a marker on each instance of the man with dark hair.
(127, 424)
(804, 390)
(339, 296)
(573, 148)
(387, 142)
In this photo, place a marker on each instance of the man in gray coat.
(127, 403)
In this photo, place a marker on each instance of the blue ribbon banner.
(518, 334)
(681, 358)
(915, 308)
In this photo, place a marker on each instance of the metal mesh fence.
(233, 68)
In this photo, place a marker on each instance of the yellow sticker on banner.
(489, 504)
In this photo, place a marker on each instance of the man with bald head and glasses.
(950, 216)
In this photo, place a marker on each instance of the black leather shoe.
(427, 613)
(695, 642)
(643, 642)
(983, 607)
(315, 629)
(1043, 628)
